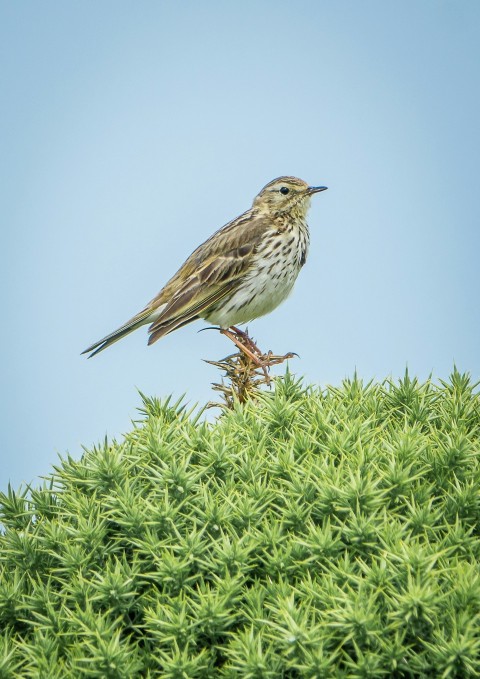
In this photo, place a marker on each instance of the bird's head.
(286, 194)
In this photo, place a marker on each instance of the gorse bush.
(314, 533)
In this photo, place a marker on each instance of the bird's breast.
(284, 250)
(274, 270)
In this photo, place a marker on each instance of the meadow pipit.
(243, 271)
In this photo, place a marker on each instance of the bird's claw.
(209, 327)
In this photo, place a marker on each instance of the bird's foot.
(246, 340)
(251, 351)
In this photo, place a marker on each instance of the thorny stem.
(244, 371)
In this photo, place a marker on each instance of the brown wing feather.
(244, 231)
(214, 279)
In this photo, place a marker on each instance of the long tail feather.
(116, 335)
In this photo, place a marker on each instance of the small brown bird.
(245, 270)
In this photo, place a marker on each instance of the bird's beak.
(316, 189)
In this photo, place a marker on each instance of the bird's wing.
(209, 282)
(207, 276)
(244, 231)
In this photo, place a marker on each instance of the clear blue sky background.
(130, 131)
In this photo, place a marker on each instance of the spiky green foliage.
(316, 533)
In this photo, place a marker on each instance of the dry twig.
(244, 376)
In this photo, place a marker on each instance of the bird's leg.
(247, 340)
(250, 350)
(241, 341)
(255, 358)
(267, 359)
(264, 359)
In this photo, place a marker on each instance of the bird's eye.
(284, 190)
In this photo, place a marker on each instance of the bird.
(243, 271)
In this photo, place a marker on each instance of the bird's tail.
(128, 327)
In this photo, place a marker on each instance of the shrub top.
(314, 533)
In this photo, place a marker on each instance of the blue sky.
(131, 131)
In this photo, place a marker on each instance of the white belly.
(268, 284)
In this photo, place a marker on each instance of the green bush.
(314, 533)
